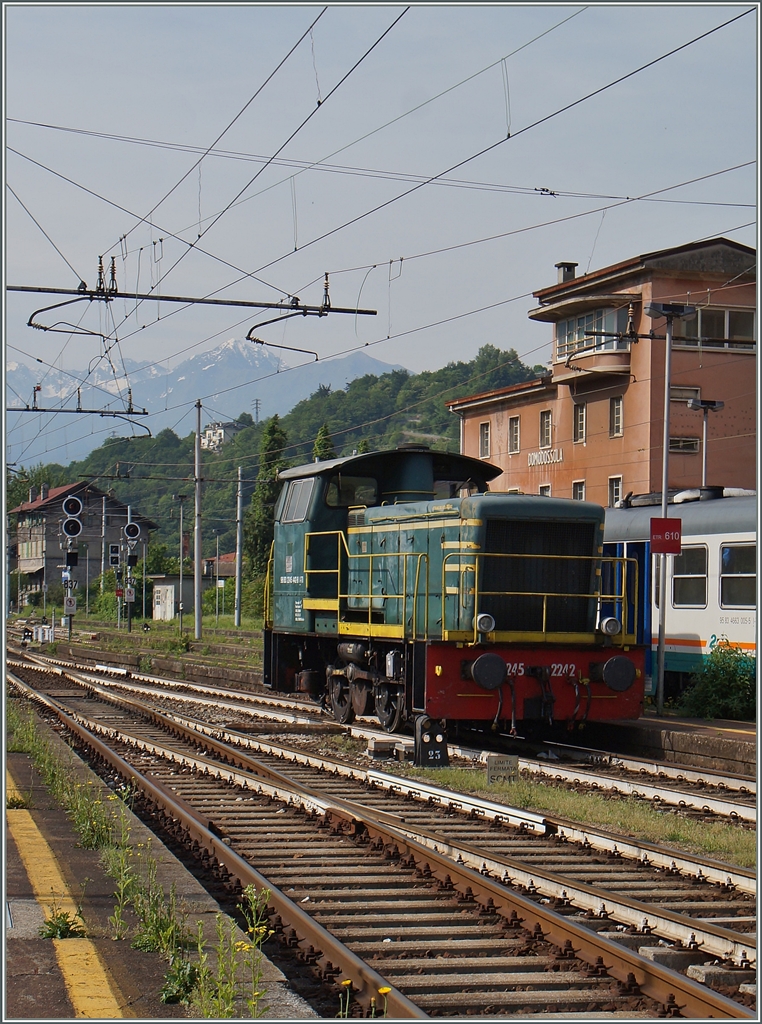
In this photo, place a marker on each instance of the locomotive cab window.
(345, 491)
(689, 578)
(738, 575)
(454, 489)
(294, 509)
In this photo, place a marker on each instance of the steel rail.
(687, 801)
(716, 940)
(712, 871)
(658, 982)
(740, 783)
(682, 799)
(365, 981)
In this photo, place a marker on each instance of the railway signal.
(72, 524)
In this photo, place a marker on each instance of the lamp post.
(668, 311)
(705, 406)
(181, 498)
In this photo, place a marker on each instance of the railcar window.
(297, 501)
(689, 578)
(738, 575)
(345, 491)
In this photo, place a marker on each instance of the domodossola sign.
(545, 457)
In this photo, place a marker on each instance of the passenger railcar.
(711, 586)
(398, 586)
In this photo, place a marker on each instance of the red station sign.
(666, 536)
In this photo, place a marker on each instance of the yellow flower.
(347, 981)
(384, 991)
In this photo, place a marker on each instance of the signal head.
(72, 506)
(131, 531)
(71, 528)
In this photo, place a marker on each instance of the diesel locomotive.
(400, 586)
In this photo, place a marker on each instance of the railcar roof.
(446, 465)
(720, 515)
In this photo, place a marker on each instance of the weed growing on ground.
(61, 924)
(18, 801)
(345, 997)
(179, 981)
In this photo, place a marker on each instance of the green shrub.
(724, 687)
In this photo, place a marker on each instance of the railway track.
(699, 794)
(394, 864)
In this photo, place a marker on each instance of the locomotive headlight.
(484, 623)
(610, 626)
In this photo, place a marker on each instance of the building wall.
(724, 374)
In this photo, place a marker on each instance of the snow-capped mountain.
(230, 379)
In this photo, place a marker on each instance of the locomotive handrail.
(370, 597)
(619, 598)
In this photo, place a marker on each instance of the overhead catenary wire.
(283, 145)
(490, 148)
(227, 128)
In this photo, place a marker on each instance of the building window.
(545, 429)
(717, 328)
(580, 416)
(576, 334)
(484, 441)
(689, 578)
(738, 575)
(578, 490)
(616, 422)
(684, 445)
(514, 437)
(615, 490)
(545, 490)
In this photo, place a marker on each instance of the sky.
(436, 160)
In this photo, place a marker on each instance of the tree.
(323, 448)
(258, 521)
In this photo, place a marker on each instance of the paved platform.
(92, 976)
(718, 745)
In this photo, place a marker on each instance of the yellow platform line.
(91, 990)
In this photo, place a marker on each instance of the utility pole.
(238, 550)
(197, 531)
(217, 583)
(103, 542)
(181, 499)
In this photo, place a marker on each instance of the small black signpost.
(430, 750)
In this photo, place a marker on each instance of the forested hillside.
(372, 413)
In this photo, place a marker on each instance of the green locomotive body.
(399, 585)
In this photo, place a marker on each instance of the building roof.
(56, 495)
(53, 496)
(662, 259)
(522, 390)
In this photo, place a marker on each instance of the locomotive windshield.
(297, 501)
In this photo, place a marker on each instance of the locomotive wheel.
(390, 701)
(362, 699)
(341, 701)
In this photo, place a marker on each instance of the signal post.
(71, 528)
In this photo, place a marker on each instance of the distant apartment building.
(41, 542)
(216, 434)
(592, 428)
